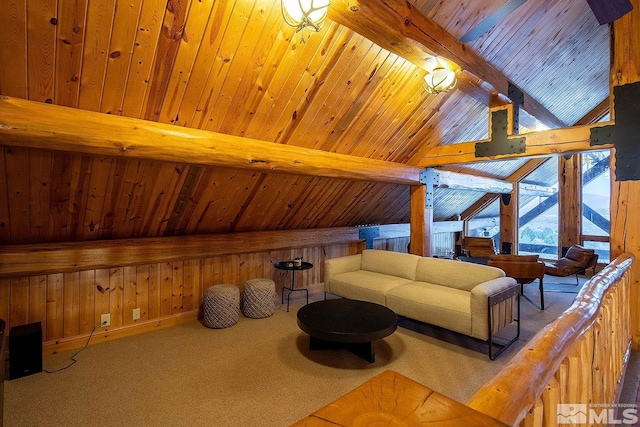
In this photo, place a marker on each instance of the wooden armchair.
(524, 268)
(576, 261)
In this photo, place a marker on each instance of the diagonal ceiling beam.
(402, 29)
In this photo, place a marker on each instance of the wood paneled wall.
(69, 303)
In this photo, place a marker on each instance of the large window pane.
(596, 193)
(596, 196)
(538, 212)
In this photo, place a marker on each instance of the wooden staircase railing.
(578, 359)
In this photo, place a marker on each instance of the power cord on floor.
(73, 358)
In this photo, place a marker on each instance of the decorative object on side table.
(291, 265)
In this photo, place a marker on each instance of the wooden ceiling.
(236, 68)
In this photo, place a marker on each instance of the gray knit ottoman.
(258, 298)
(221, 306)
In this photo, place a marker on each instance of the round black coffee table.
(349, 324)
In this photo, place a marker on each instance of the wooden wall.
(69, 303)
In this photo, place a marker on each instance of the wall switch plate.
(136, 313)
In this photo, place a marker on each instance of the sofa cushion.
(365, 285)
(391, 263)
(455, 274)
(430, 303)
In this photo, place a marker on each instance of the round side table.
(290, 265)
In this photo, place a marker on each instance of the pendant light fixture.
(303, 14)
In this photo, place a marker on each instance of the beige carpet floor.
(256, 373)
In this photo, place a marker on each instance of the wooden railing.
(578, 359)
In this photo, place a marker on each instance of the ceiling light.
(439, 78)
(303, 14)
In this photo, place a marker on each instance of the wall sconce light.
(438, 78)
(303, 14)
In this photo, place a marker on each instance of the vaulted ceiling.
(236, 68)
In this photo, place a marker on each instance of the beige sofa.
(472, 299)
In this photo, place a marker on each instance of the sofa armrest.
(480, 303)
(335, 266)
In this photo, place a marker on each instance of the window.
(596, 197)
(538, 212)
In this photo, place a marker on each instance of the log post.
(625, 195)
(421, 222)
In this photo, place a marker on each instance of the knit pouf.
(258, 298)
(221, 307)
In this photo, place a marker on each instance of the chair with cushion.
(576, 261)
(524, 268)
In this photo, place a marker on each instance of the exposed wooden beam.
(536, 190)
(37, 125)
(402, 29)
(542, 143)
(461, 181)
(526, 169)
(481, 204)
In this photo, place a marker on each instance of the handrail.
(517, 388)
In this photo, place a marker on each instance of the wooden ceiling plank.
(158, 193)
(13, 33)
(351, 140)
(95, 53)
(120, 54)
(192, 174)
(17, 166)
(385, 120)
(314, 91)
(41, 50)
(144, 50)
(78, 193)
(398, 144)
(113, 191)
(439, 127)
(70, 40)
(166, 50)
(201, 74)
(271, 106)
(211, 187)
(100, 175)
(143, 193)
(39, 184)
(60, 196)
(255, 46)
(400, 28)
(220, 73)
(315, 112)
(196, 199)
(125, 209)
(346, 97)
(275, 121)
(275, 190)
(189, 45)
(229, 201)
(169, 199)
(277, 108)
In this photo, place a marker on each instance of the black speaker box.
(25, 350)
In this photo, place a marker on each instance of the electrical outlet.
(105, 319)
(136, 313)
